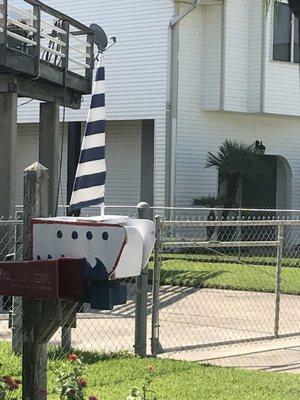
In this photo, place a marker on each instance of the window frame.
(292, 39)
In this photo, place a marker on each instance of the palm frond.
(236, 159)
(209, 201)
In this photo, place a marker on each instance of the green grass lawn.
(182, 271)
(232, 258)
(112, 378)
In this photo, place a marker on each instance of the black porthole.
(105, 236)
(62, 256)
(49, 257)
(74, 235)
(89, 235)
(38, 257)
(59, 234)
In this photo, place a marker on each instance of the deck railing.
(47, 35)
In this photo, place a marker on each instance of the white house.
(183, 77)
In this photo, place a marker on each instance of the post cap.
(143, 206)
(36, 166)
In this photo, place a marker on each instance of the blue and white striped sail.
(89, 184)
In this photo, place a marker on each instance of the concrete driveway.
(192, 319)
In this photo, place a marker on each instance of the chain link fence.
(87, 329)
(218, 278)
(225, 277)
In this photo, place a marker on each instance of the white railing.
(61, 41)
(53, 27)
(21, 38)
(25, 27)
(22, 12)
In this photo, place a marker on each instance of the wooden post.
(8, 134)
(34, 362)
(41, 318)
(3, 31)
(50, 149)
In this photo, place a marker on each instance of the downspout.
(263, 58)
(172, 101)
(223, 57)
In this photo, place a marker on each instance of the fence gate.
(225, 282)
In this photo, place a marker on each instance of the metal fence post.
(155, 344)
(140, 344)
(66, 338)
(239, 235)
(278, 280)
(16, 313)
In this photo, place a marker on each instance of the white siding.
(123, 163)
(232, 56)
(136, 66)
(237, 55)
(255, 55)
(212, 56)
(245, 89)
(202, 131)
(123, 143)
(28, 153)
(282, 94)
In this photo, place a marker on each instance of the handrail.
(53, 39)
(25, 27)
(84, 53)
(53, 27)
(47, 29)
(21, 38)
(80, 40)
(60, 15)
(53, 51)
(82, 64)
(20, 11)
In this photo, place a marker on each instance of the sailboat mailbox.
(118, 246)
(81, 259)
(111, 249)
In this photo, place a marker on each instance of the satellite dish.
(100, 38)
(295, 7)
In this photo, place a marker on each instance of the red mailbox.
(48, 279)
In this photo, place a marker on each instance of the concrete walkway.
(272, 356)
(191, 319)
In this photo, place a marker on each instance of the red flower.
(72, 357)
(82, 382)
(7, 379)
(92, 398)
(12, 386)
(72, 392)
(18, 382)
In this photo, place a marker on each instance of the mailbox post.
(41, 318)
(34, 361)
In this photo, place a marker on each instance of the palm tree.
(212, 202)
(235, 161)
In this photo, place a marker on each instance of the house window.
(285, 35)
